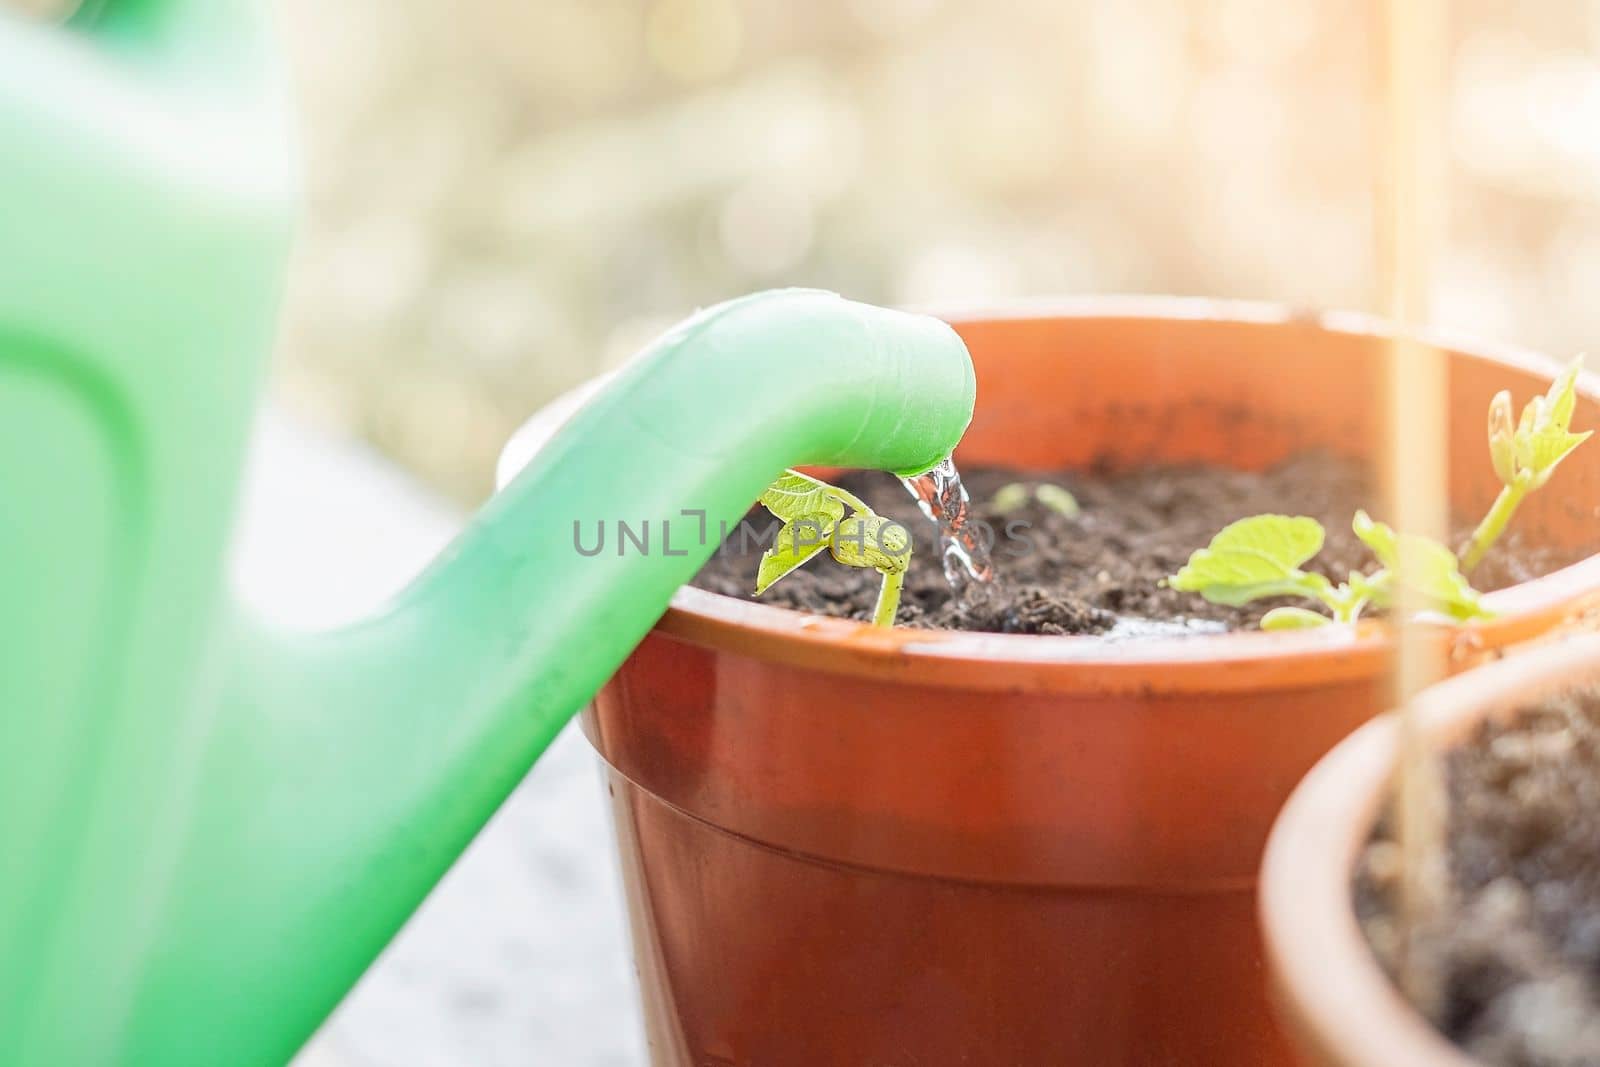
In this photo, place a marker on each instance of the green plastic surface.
(210, 829)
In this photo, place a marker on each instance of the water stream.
(963, 545)
(965, 552)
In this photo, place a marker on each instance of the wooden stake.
(1410, 218)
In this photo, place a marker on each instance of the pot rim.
(1228, 662)
(1323, 973)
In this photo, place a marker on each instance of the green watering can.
(208, 829)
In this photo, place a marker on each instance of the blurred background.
(506, 197)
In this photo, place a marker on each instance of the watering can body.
(211, 827)
(144, 207)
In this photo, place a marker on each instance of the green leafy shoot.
(1526, 454)
(1264, 556)
(1015, 497)
(817, 515)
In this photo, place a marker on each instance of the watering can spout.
(350, 768)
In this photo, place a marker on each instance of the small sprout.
(1009, 498)
(1015, 496)
(1057, 500)
(1543, 438)
(814, 516)
(1526, 456)
(1262, 556)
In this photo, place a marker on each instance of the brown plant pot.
(1339, 1005)
(848, 846)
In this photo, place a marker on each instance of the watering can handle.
(218, 54)
(97, 17)
(148, 189)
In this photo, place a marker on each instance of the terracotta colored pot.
(1340, 1006)
(848, 846)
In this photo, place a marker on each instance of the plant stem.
(1315, 587)
(1349, 610)
(850, 500)
(1493, 524)
(888, 598)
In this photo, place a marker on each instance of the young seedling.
(1015, 496)
(817, 515)
(1263, 556)
(1526, 455)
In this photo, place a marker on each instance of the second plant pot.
(1342, 1008)
(848, 846)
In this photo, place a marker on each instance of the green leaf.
(795, 495)
(1288, 618)
(1286, 540)
(1376, 536)
(1540, 452)
(1502, 438)
(1563, 395)
(1431, 570)
(872, 541)
(1422, 565)
(1253, 558)
(798, 540)
(1057, 500)
(1533, 416)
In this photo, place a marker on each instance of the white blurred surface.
(520, 956)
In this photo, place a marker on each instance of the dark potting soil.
(1100, 570)
(1516, 960)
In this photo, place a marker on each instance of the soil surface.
(1100, 570)
(1516, 962)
